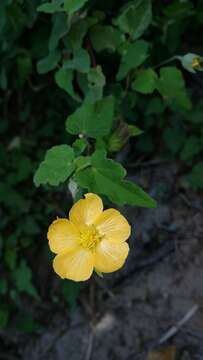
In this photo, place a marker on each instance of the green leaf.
(121, 136)
(70, 292)
(3, 286)
(93, 120)
(191, 148)
(73, 5)
(57, 166)
(77, 32)
(23, 280)
(3, 15)
(23, 168)
(106, 37)
(155, 106)
(171, 86)
(49, 62)
(92, 84)
(179, 10)
(195, 115)
(9, 196)
(134, 130)
(3, 78)
(79, 146)
(10, 258)
(96, 82)
(195, 178)
(30, 226)
(52, 7)
(59, 29)
(82, 162)
(80, 61)
(133, 57)
(174, 139)
(145, 82)
(26, 324)
(4, 315)
(24, 64)
(64, 79)
(135, 18)
(106, 177)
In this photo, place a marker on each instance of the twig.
(171, 228)
(87, 308)
(195, 334)
(89, 346)
(155, 162)
(189, 203)
(172, 331)
(101, 283)
(91, 52)
(166, 61)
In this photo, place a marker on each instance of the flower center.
(196, 63)
(89, 237)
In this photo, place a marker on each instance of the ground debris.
(168, 353)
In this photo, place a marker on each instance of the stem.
(91, 52)
(176, 57)
(83, 167)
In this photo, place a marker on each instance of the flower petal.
(77, 265)
(62, 236)
(110, 256)
(113, 225)
(86, 211)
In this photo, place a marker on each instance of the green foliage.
(4, 315)
(73, 5)
(48, 63)
(172, 87)
(22, 278)
(191, 148)
(80, 61)
(145, 82)
(106, 37)
(133, 56)
(196, 176)
(70, 290)
(52, 7)
(125, 75)
(121, 136)
(59, 30)
(174, 139)
(64, 79)
(57, 166)
(92, 120)
(106, 177)
(27, 324)
(135, 18)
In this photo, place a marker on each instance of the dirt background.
(129, 315)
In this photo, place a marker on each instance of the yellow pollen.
(89, 237)
(195, 63)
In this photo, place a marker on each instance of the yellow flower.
(92, 239)
(196, 63)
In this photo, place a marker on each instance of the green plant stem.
(82, 167)
(176, 57)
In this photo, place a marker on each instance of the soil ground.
(129, 315)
